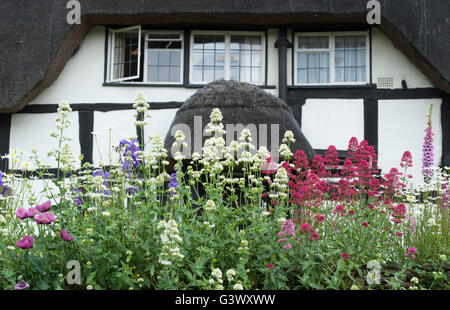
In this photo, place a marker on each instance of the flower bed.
(295, 225)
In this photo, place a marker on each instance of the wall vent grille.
(385, 82)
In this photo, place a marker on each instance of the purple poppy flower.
(65, 235)
(21, 285)
(44, 207)
(31, 212)
(25, 243)
(45, 218)
(22, 213)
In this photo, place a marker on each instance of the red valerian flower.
(345, 255)
(399, 234)
(270, 266)
(406, 160)
(321, 218)
(365, 224)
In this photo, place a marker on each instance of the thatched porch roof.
(242, 103)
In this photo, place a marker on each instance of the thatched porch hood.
(241, 103)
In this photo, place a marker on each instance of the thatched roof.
(241, 103)
(36, 41)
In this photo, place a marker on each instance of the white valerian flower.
(170, 240)
(217, 273)
(285, 151)
(2, 220)
(431, 222)
(354, 287)
(10, 247)
(210, 205)
(288, 137)
(106, 213)
(230, 274)
(414, 280)
(238, 286)
(89, 287)
(443, 257)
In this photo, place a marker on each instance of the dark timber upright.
(5, 130)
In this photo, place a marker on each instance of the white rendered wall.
(121, 126)
(387, 61)
(328, 122)
(32, 131)
(158, 124)
(272, 61)
(401, 126)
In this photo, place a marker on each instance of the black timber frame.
(5, 133)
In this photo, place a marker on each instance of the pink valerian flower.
(427, 151)
(398, 234)
(345, 256)
(287, 229)
(45, 218)
(21, 285)
(287, 246)
(406, 160)
(25, 243)
(269, 167)
(44, 207)
(411, 252)
(65, 235)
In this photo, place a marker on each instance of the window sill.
(139, 84)
(365, 86)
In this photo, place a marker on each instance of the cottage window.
(336, 58)
(164, 58)
(125, 54)
(229, 56)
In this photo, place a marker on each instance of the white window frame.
(227, 35)
(332, 50)
(111, 59)
(147, 33)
